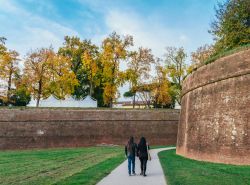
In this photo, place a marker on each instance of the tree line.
(79, 67)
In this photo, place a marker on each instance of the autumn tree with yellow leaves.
(37, 74)
(63, 79)
(161, 84)
(47, 73)
(114, 51)
(80, 68)
(156, 93)
(92, 66)
(9, 68)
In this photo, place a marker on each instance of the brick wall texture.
(215, 117)
(46, 128)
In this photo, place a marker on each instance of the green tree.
(87, 67)
(231, 27)
(20, 96)
(74, 49)
(130, 94)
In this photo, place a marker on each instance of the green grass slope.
(182, 171)
(58, 166)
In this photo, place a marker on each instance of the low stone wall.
(215, 117)
(44, 128)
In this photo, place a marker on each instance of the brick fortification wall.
(44, 128)
(215, 117)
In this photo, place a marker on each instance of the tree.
(201, 55)
(231, 27)
(156, 92)
(2, 45)
(145, 93)
(9, 68)
(177, 68)
(161, 87)
(92, 67)
(114, 51)
(20, 97)
(37, 73)
(129, 94)
(139, 68)
(63, 79)
(74, 49)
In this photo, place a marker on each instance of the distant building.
(138, 105)
(177, 105)
(3, 88)
(129, 104)
(87, 102)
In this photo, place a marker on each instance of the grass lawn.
(182, 171)
(58, 166)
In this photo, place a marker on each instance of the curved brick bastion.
(44, 128)
(215, 117)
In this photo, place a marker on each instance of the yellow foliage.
(47, 73)
(161, 87)
(8, 68)
(90, 64)
(36, 73)
(63, 79)
(114, 50)
(109, 92)
(8, 64)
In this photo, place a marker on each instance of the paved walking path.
(155, 175)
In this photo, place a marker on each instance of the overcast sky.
(155, 24)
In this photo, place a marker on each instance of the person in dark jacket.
(143, 155)
(131, 151)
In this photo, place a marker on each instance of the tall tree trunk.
(111, 103)
(38, 100)
(39, 93)
(113, 83)
(148, 102)
(134, 101)
(9, 86)
(90, 89)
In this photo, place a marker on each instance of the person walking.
(143, 155)
(130, 152)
